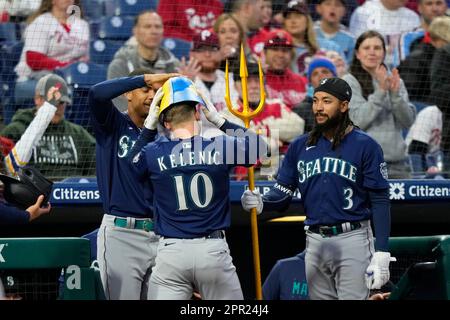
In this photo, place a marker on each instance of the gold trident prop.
(246, 115)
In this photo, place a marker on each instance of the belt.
(334, 230)
(218, 234)
(146, 225)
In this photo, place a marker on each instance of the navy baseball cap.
(336, 87)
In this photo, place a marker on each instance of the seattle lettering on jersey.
(190, 159)
(326, 164)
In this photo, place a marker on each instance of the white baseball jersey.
(427, 128)
(48, 36)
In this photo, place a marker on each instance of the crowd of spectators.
(395, 54)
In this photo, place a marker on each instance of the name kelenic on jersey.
(321, 165)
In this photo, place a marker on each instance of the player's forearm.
(381, 215)
(12, 215)
(145, 137)
(278, 198)
(110, 89)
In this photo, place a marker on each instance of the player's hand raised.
(252, 199)
(36, 211)
(155, 81)
(151, 122)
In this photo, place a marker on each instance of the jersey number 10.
(193, 191)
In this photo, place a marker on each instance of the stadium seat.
(134, 7)
(102, 51)
(8, 32)
(179, 47)
(80, 77)
(94, 9)
(9, 57)
(115, 28)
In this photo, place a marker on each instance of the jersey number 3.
(348, 193)
(194, 191)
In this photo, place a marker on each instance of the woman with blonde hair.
(56, 36)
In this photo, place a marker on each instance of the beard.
(330, 124)
(210, 68)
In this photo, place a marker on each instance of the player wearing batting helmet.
(342, 178)
(126, 243)
(190, 178)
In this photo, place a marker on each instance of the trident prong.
(246, 115)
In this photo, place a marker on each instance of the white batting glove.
(151, 122)
(252, 199)
(211, 113)
(377, 273)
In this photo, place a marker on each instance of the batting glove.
(211, 113)
(252, 199)
(53, 96)
(151, 122)
(377, 273)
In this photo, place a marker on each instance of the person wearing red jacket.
(281, 82)
(185, 19)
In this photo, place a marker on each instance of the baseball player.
(12, 215)
(287, 280)
(341, 175)
(126, 243)
(189, 175)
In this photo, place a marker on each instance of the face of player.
(370, 53)
(267, 11)
(319, 74)
(149, 30)
(278, 59)
(253, 89)
(228, 33)
(430, 9)
(208, 57)
(62, 5)
(331, 11)
(139, 101)
(296, 24)
(328, 110)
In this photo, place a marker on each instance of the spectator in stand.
(52, 39)
(276, 122)
(424, 143)
(185, 19)
(412, 40)
(329, 26)
(380, 104)
(250, 14)
(281, 82)
(318, 69)
(440, 77)
(17, 10)
(338, 61)
(231, 35)
(146, 54)
(390, 18)
(210, 80)
(56, 147)
(299, 24)
(418, 49)
(269, 22)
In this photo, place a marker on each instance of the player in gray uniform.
(342, 177)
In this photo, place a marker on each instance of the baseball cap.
(321, 62)
(206, 38)
(278, 38)
(53, 80)
(296, 6)
(336, 87)
(252, 70)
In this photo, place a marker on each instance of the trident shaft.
(246, 115)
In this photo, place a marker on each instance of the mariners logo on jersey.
(125, 145)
